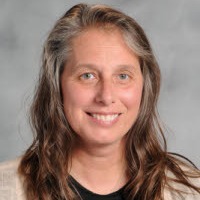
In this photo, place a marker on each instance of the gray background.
(173, 27)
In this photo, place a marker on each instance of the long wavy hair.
(46, 163)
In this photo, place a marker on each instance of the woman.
(97, 132)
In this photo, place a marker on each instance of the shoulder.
(186, 193)
(10, 165)
(10, 182)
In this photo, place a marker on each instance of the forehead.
(100, 44)
(99, 37)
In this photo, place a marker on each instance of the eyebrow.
(96, 67)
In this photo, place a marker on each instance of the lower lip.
(104, 123)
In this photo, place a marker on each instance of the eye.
(87, 76)
(123, 76)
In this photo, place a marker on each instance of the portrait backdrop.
(173, 28)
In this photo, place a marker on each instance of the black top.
(86, 194)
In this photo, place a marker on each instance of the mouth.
(104, 117)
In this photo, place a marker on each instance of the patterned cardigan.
(11, 187)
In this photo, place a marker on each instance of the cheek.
(75, 96)
(132, 97)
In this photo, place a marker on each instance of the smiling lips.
(104, 117)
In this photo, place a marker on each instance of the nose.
(105, 93)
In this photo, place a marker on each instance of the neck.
(100, 169)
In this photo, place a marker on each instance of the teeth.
(106, 118)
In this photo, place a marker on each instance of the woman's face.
(101, 87)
